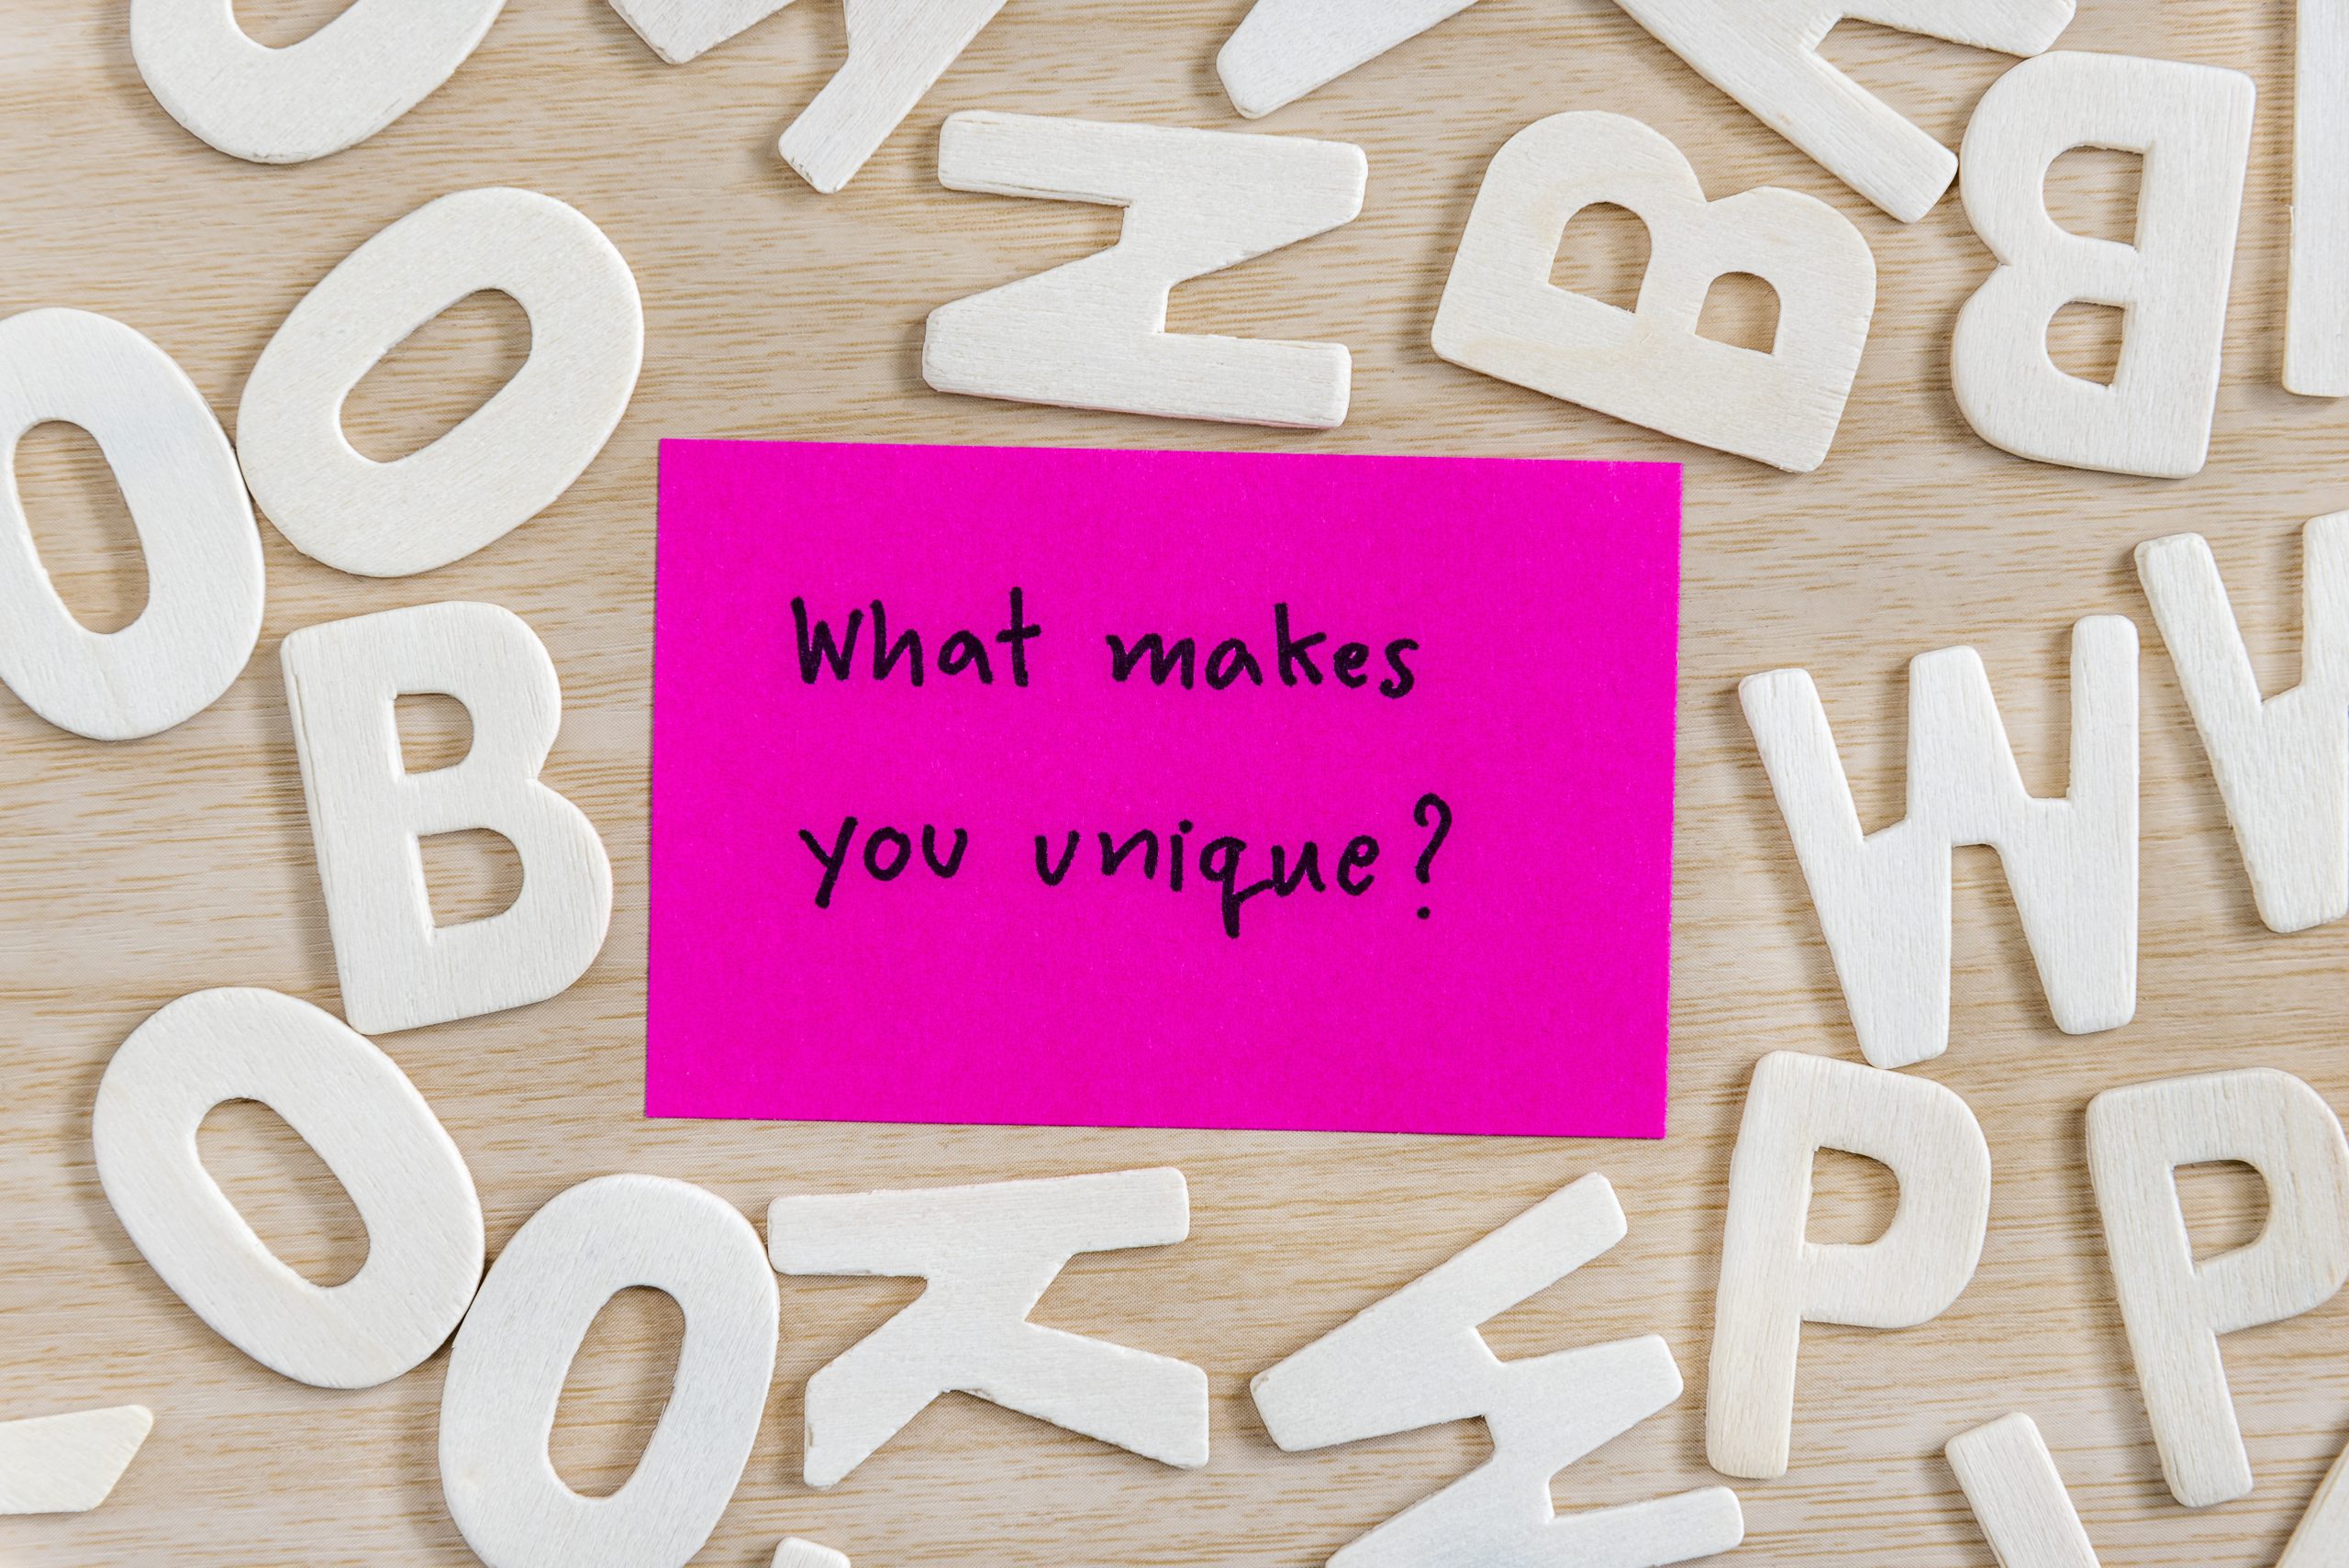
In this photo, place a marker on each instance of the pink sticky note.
(1521, 987)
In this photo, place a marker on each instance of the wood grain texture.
(133, 874)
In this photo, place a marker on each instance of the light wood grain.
(132, 874)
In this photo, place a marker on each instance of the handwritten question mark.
(1435, 841)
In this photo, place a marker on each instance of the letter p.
(1774, 1280)
(2174, 1308)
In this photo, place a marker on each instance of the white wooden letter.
(2193, 124)
(1765, 53)
(2026, 1514)
(353, 1105)
(1882, 898)
(510, 458)
(897, 51)
(2027, 1517)
(1092, 333)
(2282, 763)
(2018, 1497)
(680, 30)
(1285, 49)
(336, 88)
(1774, 1280)
(67, 1465)
(795, 1552)
(2316, 349)
(989, 1254)
(507, 1372)
(367, 813)
(2322, 1538)
(179, 481)
(1501, 314)
(2174, 1308)
(1416, 1360)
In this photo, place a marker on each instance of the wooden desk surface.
(134, 874)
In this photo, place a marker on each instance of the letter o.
(905, 847)
(333, 90)
(179, 479)
(507, 1372)
(353, 1105)
(512, 457)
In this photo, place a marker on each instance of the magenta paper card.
(1164, 789)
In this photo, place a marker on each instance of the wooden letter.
(2027, 1515)
(67, 1465)
(2174, 1308)
(354, 1107)
(1092, 333)
(1774, 1280)
(2316, 350)
(897, 51)
(336, 88)
(2282, 763)
(398, 970)
(1416, 1360)
(511, 457)
(680, 30)
(796, 1553)
(2322, 1540)
(1765, 53)
(179, 480)
(507, 1372)
(989, 1254)
(2018, 1497)
(1285, 49)
(1501, 316)
(1882, 898)
(2193, 124)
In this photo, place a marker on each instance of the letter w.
(817, 647)
(1416, 1360)
(2282, 763)
(1882, 898)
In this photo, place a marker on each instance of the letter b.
(2193, 124)
(1503, 317)
(368, 814)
